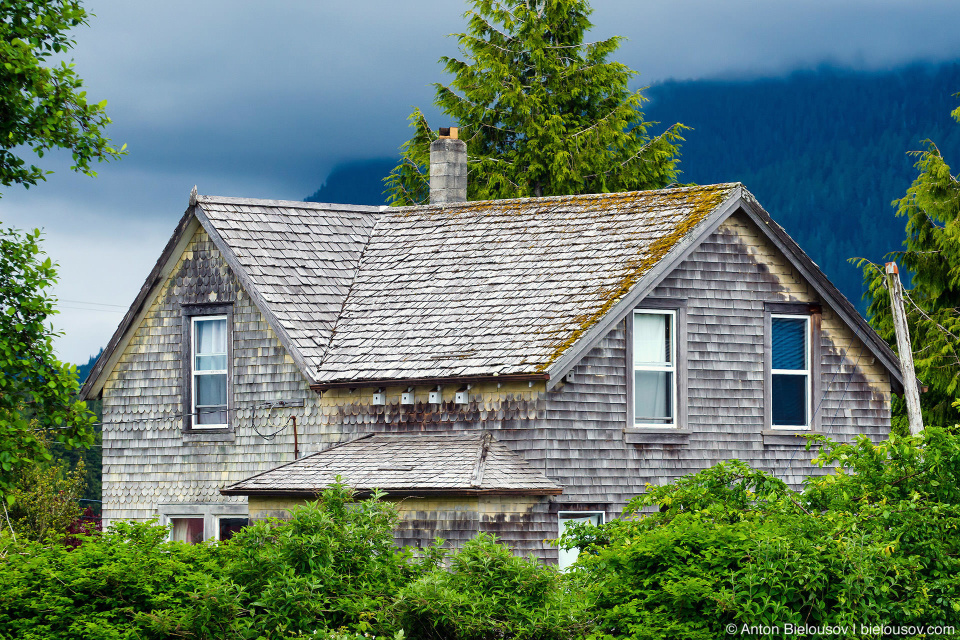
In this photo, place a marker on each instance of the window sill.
(791, 437)
(209, 435)
(655, 435)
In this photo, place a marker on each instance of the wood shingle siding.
(359, 303)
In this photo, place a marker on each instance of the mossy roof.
(500, 287)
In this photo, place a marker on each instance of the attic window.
(209, 377)
(790, 371)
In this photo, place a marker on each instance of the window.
(209, 378)
(568, 518)
(229, 525)
(790, 371)
(189, 530)
(196, 522)
(654, 368)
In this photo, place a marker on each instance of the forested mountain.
(355, 183)
(825, 151)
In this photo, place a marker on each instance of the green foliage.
(44, 106)
(932, 254)
(37, 391)
(873, 543)
(45, 500)
(333, 564)
(490, 593)
(116, 585)
(542, 111)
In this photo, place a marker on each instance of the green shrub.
(734, 546)
(116, 585)
(333, 564)
(490, 593)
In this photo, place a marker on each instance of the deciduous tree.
(42, 103)
(38, 399)
(543, 111)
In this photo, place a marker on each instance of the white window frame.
(194, 373)
(672, 368)
(808, 372)
(562, 516)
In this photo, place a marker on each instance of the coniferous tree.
(543, 111)
(932, 253)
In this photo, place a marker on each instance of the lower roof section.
(405, 465)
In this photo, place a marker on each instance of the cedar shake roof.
(299, 257)
(407, 464)
(509, 288)
(501, 287)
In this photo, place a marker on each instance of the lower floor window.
(204, 523)
(569, 518)
(229, 526)
(189, 530)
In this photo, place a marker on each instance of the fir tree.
(932, 253)
(542, 111)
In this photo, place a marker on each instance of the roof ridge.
(564, 198)
(292, 204)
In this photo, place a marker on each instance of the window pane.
(789, 400)
(189, 530)
(652, 338)
(229, 526)
(212, 363)
(653, 401)
(211, 402)
(211, 336)
(211, 390)
(789, 343)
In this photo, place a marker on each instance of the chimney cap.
(450, 132)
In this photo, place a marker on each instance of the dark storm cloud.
(263, 99)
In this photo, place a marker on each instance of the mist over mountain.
(358, 182)
(824, 151)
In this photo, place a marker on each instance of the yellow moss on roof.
(702, 201)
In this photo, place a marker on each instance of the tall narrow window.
(654, 367)
(790, 371)
(210, 371)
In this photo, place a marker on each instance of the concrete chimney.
(448, 168)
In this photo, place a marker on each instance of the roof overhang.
(395, 493)
(182, 235)
(400, 382)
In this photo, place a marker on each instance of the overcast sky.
(262, 99)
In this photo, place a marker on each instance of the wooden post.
(296, 445)
(910, 391)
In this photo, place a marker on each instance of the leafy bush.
(490, 593)
(110, 587)
(333, 564)
(733, 546)
(45, 500)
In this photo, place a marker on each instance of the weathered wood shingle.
(503, 287)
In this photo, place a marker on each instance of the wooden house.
(504, 366)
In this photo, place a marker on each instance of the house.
(504, 366)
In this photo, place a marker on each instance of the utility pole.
(910, 391)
